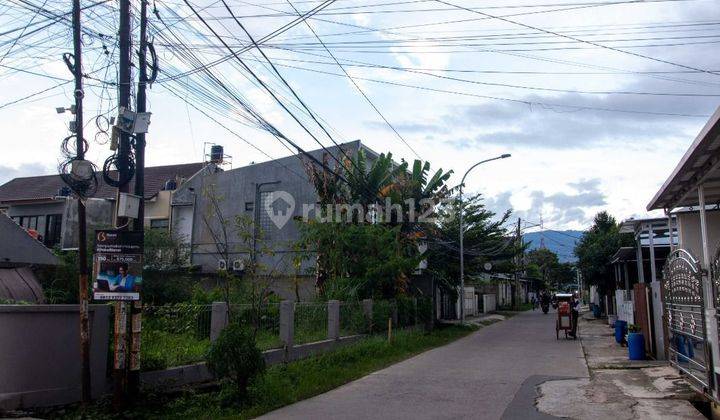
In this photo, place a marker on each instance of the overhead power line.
(364, 95)
(543, 104)
(573, 38)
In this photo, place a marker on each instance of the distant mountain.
(561, 242)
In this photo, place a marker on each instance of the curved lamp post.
(462, 234)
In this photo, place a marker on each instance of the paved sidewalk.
(617, 388)
(476, 377)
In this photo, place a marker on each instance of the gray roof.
(18, 248)
(699, 165)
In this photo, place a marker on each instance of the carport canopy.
(699, 166)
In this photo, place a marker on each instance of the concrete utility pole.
(462, 234)
(139, 222)
(82, 230)
(123, 164)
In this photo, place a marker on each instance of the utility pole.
(82, 230)
(518, 260)
(123, 164)
(139, 223)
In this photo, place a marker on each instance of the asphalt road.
(479, 377)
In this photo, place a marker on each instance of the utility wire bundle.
(75, 171)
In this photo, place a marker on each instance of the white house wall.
(689, 232)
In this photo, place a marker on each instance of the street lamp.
(462, 234)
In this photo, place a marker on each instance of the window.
(264, 222)
(53, 229)
(28, 222)
(159, 223)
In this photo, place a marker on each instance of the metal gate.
(685, 309)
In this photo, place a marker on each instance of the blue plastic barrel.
(620, 328)
(636, 346)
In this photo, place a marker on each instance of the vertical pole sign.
(118, 265)
(117, 276)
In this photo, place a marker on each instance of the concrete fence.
(40, 354)
(40, 350)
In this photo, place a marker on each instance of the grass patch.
(161, 349)
(285, 384)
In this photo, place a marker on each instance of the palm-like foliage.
(381, 256)
(365, 186)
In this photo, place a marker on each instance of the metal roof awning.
(626, 253)
(699, 165)
(633, 225)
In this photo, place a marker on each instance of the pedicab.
(564, 316)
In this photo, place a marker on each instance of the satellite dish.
(488, 266)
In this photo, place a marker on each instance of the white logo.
(280, 206)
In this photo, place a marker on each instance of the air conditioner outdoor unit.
(222, 265)
(239, 265)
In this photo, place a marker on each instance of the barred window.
(264, 222)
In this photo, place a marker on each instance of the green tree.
(164, 252)
(545, 265)
(343, 250)
(485, 240)
(596, 247)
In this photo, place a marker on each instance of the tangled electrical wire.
(78, 174)
(124, 169)
(104, 126)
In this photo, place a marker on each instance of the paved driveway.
(475, 377)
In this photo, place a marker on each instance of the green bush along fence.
(353, 320)
(174, 335)
(179, 334)
(311, 322)
(266, 322)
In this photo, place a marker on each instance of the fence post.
(218, 319)
(367, 307)
(287, 326)
(333, 327)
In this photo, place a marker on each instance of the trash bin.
(636, 346)
(596, 311)
(620, 328)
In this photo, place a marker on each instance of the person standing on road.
(574, 314)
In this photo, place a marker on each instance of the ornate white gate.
(685, 311)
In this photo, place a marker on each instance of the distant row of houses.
(668, 282)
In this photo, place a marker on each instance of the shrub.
(235, 357)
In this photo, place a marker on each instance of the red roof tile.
(47, 186)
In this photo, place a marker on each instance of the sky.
(596, 100)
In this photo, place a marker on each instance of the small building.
(271, 194)
(43, 204)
